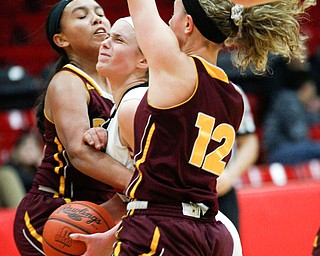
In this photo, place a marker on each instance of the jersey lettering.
(97, 122)
(211, 162)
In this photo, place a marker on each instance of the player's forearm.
(102, 167)
(116, 207)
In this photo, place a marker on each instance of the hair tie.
(236, 14)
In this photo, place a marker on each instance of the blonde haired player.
(127, 96)
(187, 121)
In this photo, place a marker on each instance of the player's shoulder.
(127, 109)
(64, 82)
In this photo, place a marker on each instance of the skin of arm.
(172, 73)
(126, 115)
(64, 102)
(115, 207)
(245, 155)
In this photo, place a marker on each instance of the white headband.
(128, 20)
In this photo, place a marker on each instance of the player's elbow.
(76, 156)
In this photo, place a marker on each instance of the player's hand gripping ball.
(75, 217)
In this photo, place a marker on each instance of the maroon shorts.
(32, 213)
(163, 235)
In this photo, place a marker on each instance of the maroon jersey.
(56, 171)
(181, 151)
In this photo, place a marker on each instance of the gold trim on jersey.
(89, 86)
(117, 249)
(60, 164)
(45, 115)
(31, 229)
(119, 230)
(213, 71)
(142, 159)
(154, 243)
(315, 242)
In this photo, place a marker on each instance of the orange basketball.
(75, 217)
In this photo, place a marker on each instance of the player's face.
(119, 52)
(84, 25)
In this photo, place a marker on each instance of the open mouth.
(100, 31)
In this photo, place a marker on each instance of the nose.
(96, 20)
(106, 43)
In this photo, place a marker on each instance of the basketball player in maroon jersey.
(77, 98)
(120, 49)
(185, 125)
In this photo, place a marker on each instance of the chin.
(101, 68)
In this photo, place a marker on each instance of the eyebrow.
(117, 35)
(97, 7)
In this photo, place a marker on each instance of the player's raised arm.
(171, 72)
(153, 34)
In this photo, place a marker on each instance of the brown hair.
(272, 28)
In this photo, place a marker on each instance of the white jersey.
(247, 125)
(115, 148)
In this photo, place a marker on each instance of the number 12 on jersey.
(213, 161)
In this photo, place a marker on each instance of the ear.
(60, 40)
(189, 25)
(143, 64)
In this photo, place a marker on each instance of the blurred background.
(279, 200)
